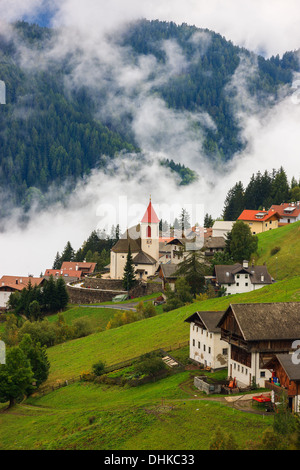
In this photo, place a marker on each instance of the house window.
(238, 276)
(204, 347)
(242, 370)
(209, 350)
(210, 336)
(234, 365)
(237, 284)
(246, 284)
(146, 272)
(199, 344)
(246, 371)
(225, 351)
(193, 342)
(262, 374)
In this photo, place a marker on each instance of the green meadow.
(286, 262)
(170, 414)
(155, 416)
(162, 331)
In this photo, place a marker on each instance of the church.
(143, 240)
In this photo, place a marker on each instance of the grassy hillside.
(286, 262)
(113, 346)
(88, 416)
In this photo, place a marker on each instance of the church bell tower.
(150, 232)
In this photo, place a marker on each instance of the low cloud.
(161, 132)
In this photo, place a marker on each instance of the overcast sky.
(267, 27)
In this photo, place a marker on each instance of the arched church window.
(149, 231)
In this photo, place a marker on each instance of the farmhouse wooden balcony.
(234, 339)
(275, 388)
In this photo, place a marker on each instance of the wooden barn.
(285, 380)
(255, 333)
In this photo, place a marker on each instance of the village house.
(206, 346)
(10, 284)
(176, 248)
(221, 228)
(255, 333)
(143, 240)
(167, 273)
(285, 380)
(68, 276)
(214, 245)
(289, 212)
(239, 278)
(84, 267)
(260, 221)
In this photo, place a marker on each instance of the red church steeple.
(150, 216)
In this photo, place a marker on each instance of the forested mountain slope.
(50, 134)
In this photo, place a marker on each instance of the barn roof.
(266, 321)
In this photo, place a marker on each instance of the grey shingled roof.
(169, 270)
(132, 238)
(292, 370)
(255, 273)
(143, 258)
(267, 321)
(215, 242)
(209, 318)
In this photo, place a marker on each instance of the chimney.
(245, 264)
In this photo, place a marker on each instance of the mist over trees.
(49, 135)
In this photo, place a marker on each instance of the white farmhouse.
(239, 278)
(206, 346)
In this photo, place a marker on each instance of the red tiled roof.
(19, 282)
(72, 265)
(252, 215)
(150, 216)
(60, 272)
(281, 208)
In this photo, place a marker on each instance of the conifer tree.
(129, 272)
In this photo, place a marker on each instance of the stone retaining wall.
(201, 383)
(94, 292)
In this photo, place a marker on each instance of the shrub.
(98, 368)
(149, 365)
(275, 250)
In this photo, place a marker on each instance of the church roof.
(150, 216)
(143, 258)
(131, 238)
